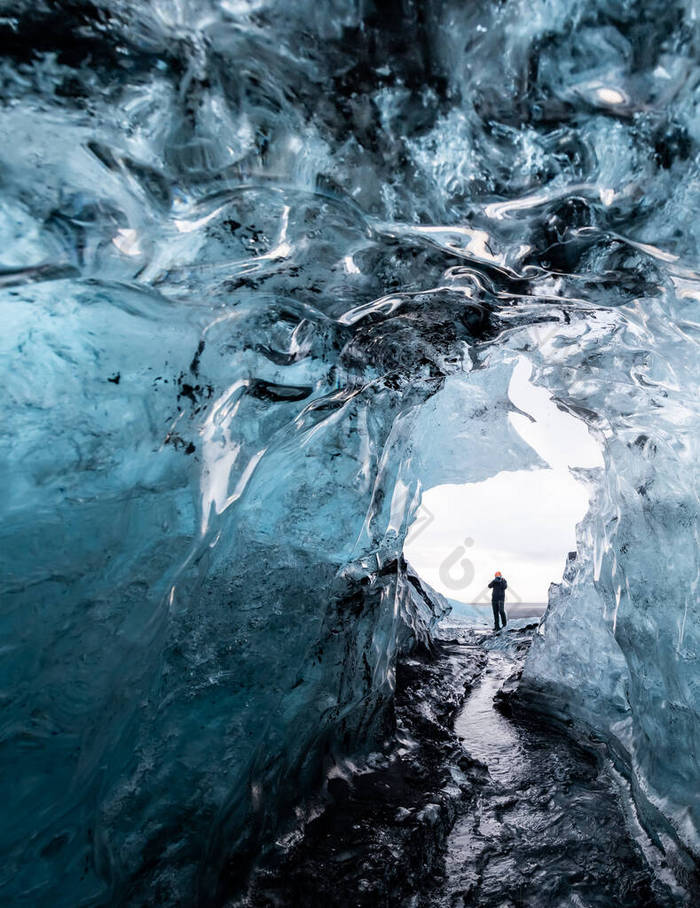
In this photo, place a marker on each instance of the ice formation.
(251, 250)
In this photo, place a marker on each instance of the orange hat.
(498, 573)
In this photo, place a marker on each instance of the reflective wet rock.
(551, 825)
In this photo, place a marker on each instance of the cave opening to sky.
(519, 522)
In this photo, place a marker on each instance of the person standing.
(498, 587)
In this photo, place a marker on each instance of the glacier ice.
(264, 266)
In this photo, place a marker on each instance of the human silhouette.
(498, 588)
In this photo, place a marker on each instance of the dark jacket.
(498, 589)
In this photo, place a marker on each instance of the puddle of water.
(488, 736)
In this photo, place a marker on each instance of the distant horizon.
(488, 604)
(482, 610)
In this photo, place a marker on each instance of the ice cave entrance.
(520, 522)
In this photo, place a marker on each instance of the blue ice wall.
(244, 246)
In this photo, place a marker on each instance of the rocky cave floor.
(475, 807)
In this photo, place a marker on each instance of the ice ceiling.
(245, 245)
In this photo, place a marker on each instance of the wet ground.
(475, 807)
(547, 827)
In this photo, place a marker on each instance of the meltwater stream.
(547, 828)
(492, 738)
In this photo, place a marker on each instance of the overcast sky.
(520, 523)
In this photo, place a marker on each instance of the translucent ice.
(264, 267)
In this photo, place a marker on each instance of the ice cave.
(267, 272)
